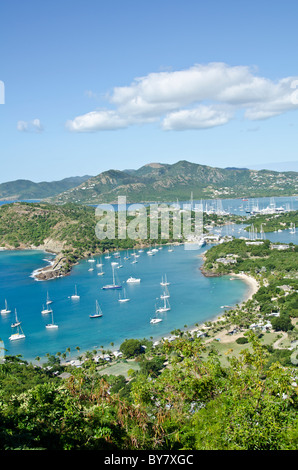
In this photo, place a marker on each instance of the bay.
(193, 298)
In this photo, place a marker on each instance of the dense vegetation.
(273, 222)
(68, 230)
(164, 182)
(189, 393)
(261, 258)
(25, 189)
(177, 400)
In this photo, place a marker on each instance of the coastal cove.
(194, 298)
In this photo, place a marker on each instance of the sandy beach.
(251, 281)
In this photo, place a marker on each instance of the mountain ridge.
(26, 189)
(167, 182)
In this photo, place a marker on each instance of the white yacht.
(49, 301)
(165, 294)
(124, 298)
(114, 285)
(46, 310)
(75, 295)
(20, 333)
(98, 311)
(5, 310)
(51, 326)
(164, 281)
(100, 273)
(133, 280)
(155, 320)
(17, 321)
(166, 307)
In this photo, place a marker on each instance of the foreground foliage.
(190, 403)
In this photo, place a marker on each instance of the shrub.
(241, 340)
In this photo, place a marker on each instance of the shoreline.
(251, 281)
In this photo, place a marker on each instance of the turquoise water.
(233, 206)
(194, 298)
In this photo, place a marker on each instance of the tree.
(282, 323)
(131, 347)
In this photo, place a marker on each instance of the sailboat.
(49, 301)
(52, 325)
(108, 255)
(20, 333)
(75, 295)
(165, 294)
(164, 281)
(135, 254)
(17, 322)
(99, 265)
(5, 310)
(100, 273)
(166, 307)
(120, 265)
(98, 311)
(114, 285)
(155, 319)
(123, 299)
(46, 310)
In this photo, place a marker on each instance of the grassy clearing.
(120, 368)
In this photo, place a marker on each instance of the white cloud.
(97, 120)
(196, 98)
(30, 126)
(202, 117)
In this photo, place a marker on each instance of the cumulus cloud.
(30, 126)
(97, 120)
(200, 97)
(202, 117)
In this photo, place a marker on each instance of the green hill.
(26, 189)
(165, 182)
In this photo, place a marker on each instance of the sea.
(193, 299)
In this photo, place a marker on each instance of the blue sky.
(92, 85)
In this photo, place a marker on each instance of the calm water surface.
(193, 298)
